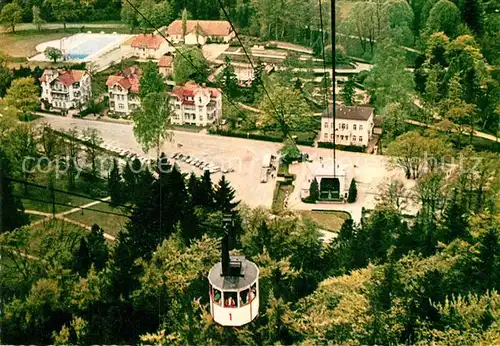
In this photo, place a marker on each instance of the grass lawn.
(327, 220)
(283, 169)
(279, 200)
(111, 224)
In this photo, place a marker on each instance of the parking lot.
(241, 155)
(245, 158)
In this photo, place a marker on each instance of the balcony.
(61, 91)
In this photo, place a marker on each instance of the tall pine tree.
(115, 187)
(82, 259)
(206, 191)
(224, 196)
(98, 249)
(11, 209)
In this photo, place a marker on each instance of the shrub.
(353, 192)
(352, 148)
(313, 191)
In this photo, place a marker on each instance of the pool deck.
(73, 42)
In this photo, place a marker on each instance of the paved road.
(245, 157)
(419, 104)
(51, 26)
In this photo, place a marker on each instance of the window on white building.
(200, 109)
(201, 117)
(326, 135)
(361, 138)
(354, 127)
(343, 126)
(360, 127)
(347, 126)
(326, 125)
(120, 106)
(353, 138)
(341, 138)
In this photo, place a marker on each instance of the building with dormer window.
(123, 90)
(353, 125)
(196, 105)
(65, 89)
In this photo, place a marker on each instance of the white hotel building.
(123, 91)
(196, 105)
(66, 89)
(353, 125)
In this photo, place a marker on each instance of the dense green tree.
(206, 191)
(472, 11)
(151, 81)
(12, 212)
(37, 19)
(133, 176)
(286, 110)
(158, 14)
(314, 191)
(5, 75)
(399, 17)
(348, 92)
(408, 152)
(98, 248)
(184, 22)
(128, 14)
(224, 196)
(227, 79)
(115, 186)
(152, 122)
(11, 15)
(190, 65)
(290, 152)
(23, 94)
(353, 192)
(63, 10)
(82, 259)
(444, 17)
(394, 123)
(388, 80)
(93, 141)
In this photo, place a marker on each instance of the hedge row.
(353, 148)
(245, 135)
(261, 137)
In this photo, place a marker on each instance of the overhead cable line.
(69, 206)
(67, 192)
(180, 53)
(326, 81)
(334, 109)
(253, 66)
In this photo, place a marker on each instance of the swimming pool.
(88, 44)
(82, 47)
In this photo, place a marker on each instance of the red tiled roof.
(66, 77)
(209, 27)
(147, 41)
(190, 89)
(166, 61)
(129, 79)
